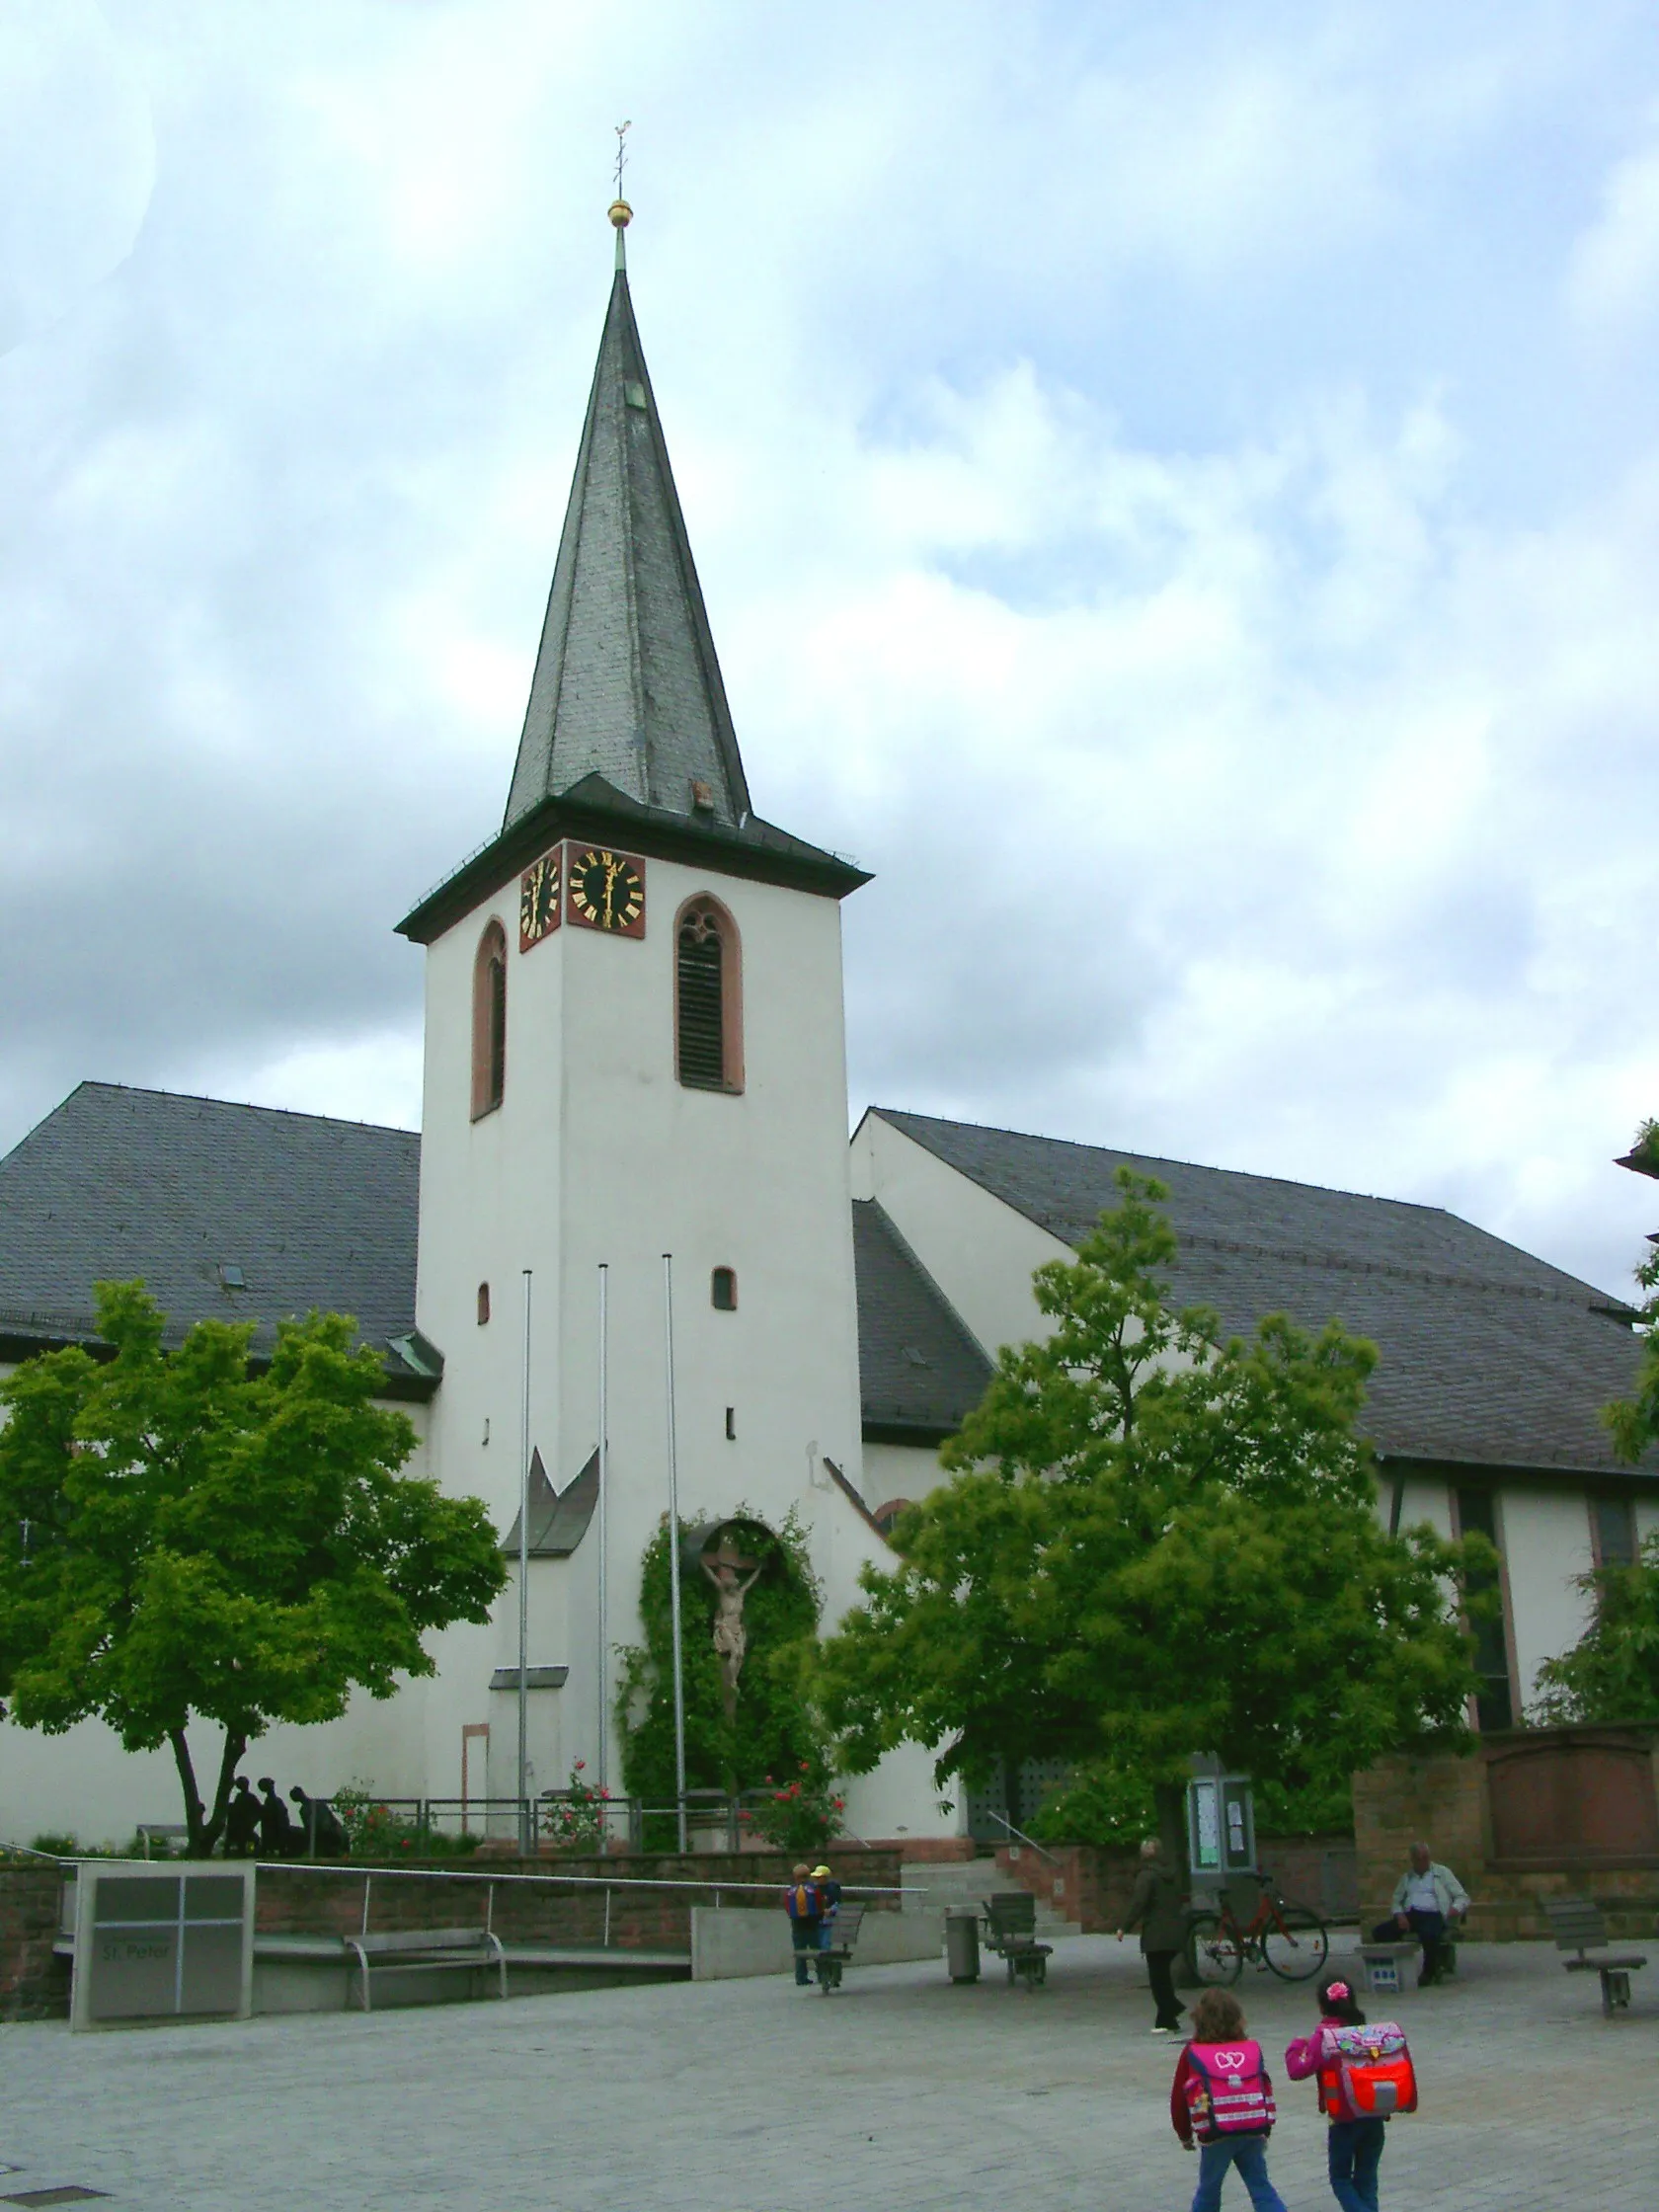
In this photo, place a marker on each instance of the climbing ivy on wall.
(775, 1729)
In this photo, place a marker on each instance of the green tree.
(1612, 1673)
(1155, 1544)
(183, 1537)
(773, 1734)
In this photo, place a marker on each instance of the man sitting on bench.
(1429, 1903)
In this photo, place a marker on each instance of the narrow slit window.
(723, 1290)
(489, 1021)
(708, 998)
(483, 1303)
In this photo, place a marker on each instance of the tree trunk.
(195, 1819)
(235, 1744)
(201, 1831)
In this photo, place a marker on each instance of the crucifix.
(733, 1576)
(623, 130)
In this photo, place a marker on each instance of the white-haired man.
(1430, 1903)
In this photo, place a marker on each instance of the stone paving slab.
(901, 2094)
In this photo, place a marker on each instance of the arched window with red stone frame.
(489, 1021)
(708, 997)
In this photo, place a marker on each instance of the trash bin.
(961, 1946)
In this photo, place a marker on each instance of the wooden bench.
(1579, 1924)
(422, 1950)
(1011, 1933)
(843, 1936)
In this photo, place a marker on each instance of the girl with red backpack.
(1365, 2076)
(1222, 2098)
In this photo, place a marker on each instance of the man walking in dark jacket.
(1156, 1908)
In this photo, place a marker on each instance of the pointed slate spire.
(626, 682)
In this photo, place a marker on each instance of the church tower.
(634, 1046)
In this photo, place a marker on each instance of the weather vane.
(621, 214)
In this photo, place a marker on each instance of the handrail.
(1025, 1839)
(573, 1882)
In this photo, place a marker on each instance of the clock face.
(606, 890)
(538, 899)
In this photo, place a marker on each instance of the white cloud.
(1150, 506)
(1613, 278)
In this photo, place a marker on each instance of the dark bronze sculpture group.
(263, 1827)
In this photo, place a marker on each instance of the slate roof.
(116, 1183)
(919, 1369)
(626, 681)
(1488, 1356)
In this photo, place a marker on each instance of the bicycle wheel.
(1296, 1946)
(1214, 1951)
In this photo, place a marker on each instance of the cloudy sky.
(1176, 488)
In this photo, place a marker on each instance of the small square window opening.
(723, 1290)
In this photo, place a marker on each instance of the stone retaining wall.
(1446, 1803)
(34, 1982)
(1092, 1887)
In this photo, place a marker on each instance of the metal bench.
(1578, 1925)
(422, 1951)
(1011, 1933)
(843, 1934)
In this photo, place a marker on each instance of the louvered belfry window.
(702, 999)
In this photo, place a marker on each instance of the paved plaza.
(902, 2093)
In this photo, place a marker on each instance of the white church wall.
(597, 1153)
(980, 1252)
(900, 1799)
(1546, 1543)
(899, 1470)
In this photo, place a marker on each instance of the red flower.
(581, 1762)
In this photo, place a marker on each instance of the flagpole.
(605, 1507)
(674, 1554)
(524, 1594)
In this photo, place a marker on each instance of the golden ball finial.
(621, 214)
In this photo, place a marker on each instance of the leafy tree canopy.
(183, 1538)
(1612, 1673)
(1155, 1544)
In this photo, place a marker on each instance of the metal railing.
(1019, 1835)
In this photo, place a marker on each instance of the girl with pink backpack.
(1221, 2099)
(1365, 2076)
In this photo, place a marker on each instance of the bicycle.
(1290, 1940)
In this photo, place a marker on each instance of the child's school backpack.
(1366, 2073)
(804, 1902)
(1228, 2091)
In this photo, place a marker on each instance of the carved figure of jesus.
(731, 1637)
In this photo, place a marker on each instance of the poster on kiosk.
(1220, 1827)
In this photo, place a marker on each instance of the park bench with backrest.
(837, 1953)
(1011, 1933)
(424, 1950)
(1579, 1924)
